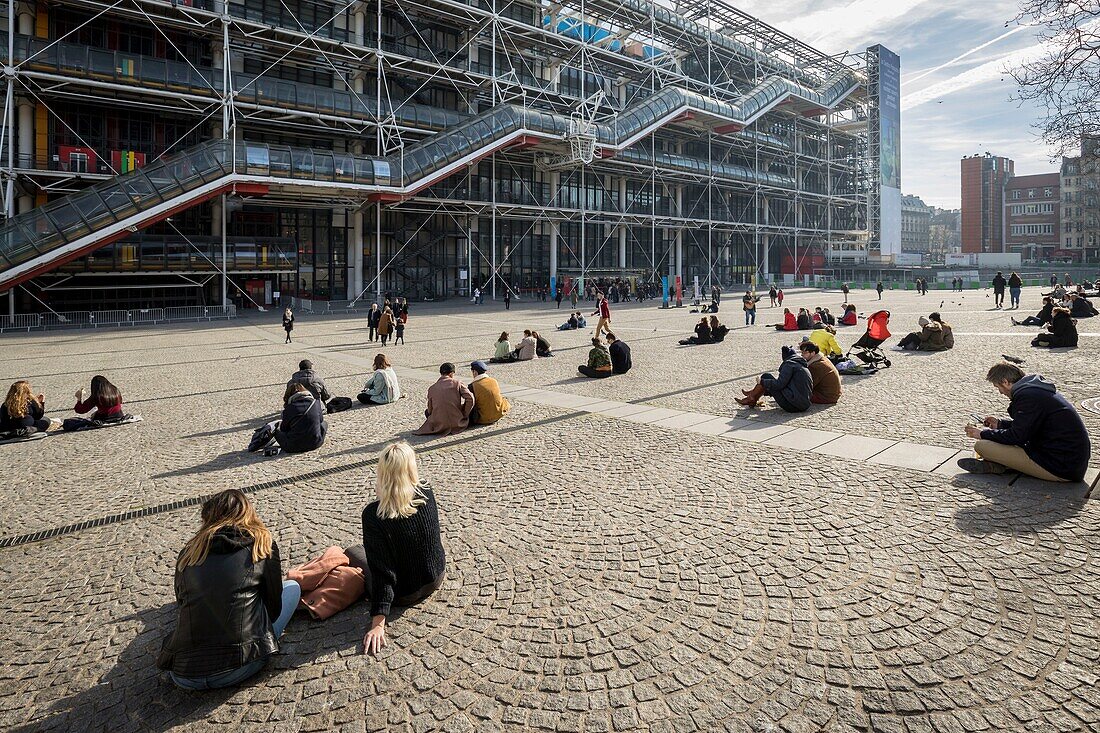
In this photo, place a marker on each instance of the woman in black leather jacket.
(233, 602)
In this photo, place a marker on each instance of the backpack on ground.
(339, 404)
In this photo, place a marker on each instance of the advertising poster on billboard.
(889, 146)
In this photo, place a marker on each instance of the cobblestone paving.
(603, 574)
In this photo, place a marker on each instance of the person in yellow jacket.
(825, 341)
(489, 404)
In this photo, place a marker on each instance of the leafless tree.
(1064, 81)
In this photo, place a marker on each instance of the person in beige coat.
(450, 403)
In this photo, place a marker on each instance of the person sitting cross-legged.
(1043, 436)
(489, 404)
(382, 388)
(826, 379)
(790, 323)
(599, 361)
(791, 389)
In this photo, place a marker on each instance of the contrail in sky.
(963, 55)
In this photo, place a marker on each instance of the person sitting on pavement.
(527, 349)
(1043, 436)
(804, 321)
(382, 387)
(827, 318)
(232, 601)
(450, 403)
(791, 389)
(1062, 331)
(1080, 306)
(1041, 318)
(929, 338)
(620, 354)
(849, 318)
(503, 353)
(599, 361)
(489, 404)
(105, 398)
(23, 413)
(582, 322)
(790, 323)
(311, 380)
(702, 334)
(718, 330)
(948, 332)
(825, 341)
(401, 541)
(571, 325)
(542, 346)
(825, 378)
(302, 427)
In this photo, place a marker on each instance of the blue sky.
(960, 109)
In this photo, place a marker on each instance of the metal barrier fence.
(133, 317)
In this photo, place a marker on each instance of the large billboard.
(888, 109)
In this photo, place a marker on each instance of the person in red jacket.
(790, 323)
(604, 311)
(104, 398)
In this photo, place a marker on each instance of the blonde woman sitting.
(233, 601)
(401, 541)
(23, 414)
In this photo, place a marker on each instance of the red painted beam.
(727, 129)
(253, 189)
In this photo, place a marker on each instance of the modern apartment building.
(1080, 194)
(197, 151)
(1031, 216)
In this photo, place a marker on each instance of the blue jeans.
(1014, 294)
(292, 592)
(750, 317)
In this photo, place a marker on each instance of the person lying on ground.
(791, 389)
(311, 380)
(303, 426)
(503, 353)
(825, 340)
(233, 603)
(489, 404)
(825, 389)
(599, 361)
(450, 403)
(620, 354)
(790, 323)
(1062, 331)
(23, 413)
(702, 334)
(1043, 436)
(382, 388)
(401, 541)
(1042, 318)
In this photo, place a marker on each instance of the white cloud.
(981, 74)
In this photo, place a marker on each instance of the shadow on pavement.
(1018, 510)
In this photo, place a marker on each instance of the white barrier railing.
(113, 318)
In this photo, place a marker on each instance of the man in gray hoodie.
(1043, 437)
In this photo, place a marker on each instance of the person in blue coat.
(1043, 436)
(791, 388)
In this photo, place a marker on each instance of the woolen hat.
(922, 321)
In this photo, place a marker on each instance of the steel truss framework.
(723, 202)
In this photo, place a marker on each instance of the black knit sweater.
(404, 554)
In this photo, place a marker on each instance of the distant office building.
(1080, 195)
(1031, 216)
(916, 219)
(983, 182)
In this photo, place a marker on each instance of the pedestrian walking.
(603, 308)
(771, 294)
(844, 289)
(779, 297)
(288, 324)
(573, 296)
(399, 332)
(558, 295)
(878, 289)
(999, 284)
(373, 315)
(477, 296)
(507, 299)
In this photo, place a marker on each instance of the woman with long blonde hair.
(400, 539)
(233, 602)
(23, 413)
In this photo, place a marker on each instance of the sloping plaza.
(624, 554)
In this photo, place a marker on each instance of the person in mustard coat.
(489, 404)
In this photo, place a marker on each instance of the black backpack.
(339, 404)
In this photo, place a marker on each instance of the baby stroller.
(867, 348)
